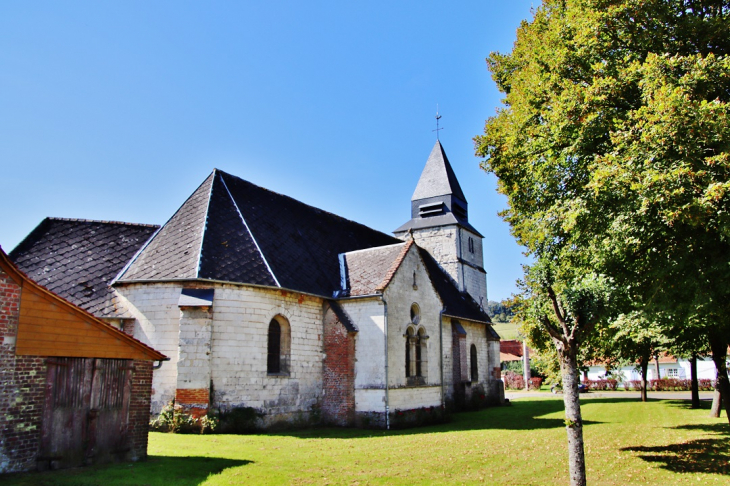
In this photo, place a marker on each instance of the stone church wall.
(401, 294)
(447, 244)
(238, 338)
(241, 317)
(157, 324)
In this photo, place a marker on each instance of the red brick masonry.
(338, 402)
(195, 401)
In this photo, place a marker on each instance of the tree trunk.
(656, 362)
(573, 419)
(644, 381)
(716, 402)
(695, 383)
(718, 345)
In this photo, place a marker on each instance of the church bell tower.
(440, 224)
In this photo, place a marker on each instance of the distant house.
(73, 389)
(669, 367)
(510, 350)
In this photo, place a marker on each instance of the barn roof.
(50, 325)
(78, 258)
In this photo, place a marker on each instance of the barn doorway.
(85, 412)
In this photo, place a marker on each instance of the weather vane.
(438, 117)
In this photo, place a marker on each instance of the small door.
(85, 415)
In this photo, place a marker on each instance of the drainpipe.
(441, 356)
(159, 363)
(385, 330)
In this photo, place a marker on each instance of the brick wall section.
(21, 413)
(195, 401)
(128, 327)
(139, 408)
(22, 381)
(338, 400)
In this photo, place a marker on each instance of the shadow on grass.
(155, 471)
(694, 456)
(525, 415)
(711, 455)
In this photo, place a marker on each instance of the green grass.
(506, 330)
(627, 442)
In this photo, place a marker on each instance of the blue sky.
(119, 110)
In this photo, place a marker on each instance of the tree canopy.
(613, 149)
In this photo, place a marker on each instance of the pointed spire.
(438, 178)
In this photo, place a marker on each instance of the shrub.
(706, 385)
(535, 383)
(634, 385)
(513, 381)
(240, 420)
(174, 419)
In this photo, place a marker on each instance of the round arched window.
(415, 314)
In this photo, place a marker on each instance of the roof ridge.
(305, 204)
(205, 225)
(395, 266)
(245, 224)
(372, 248)
(101, 221)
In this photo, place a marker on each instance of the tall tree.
(612, 148)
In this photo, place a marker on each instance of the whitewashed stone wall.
(193, 365)
(401, 295)
(241, 317)
(238, 345)
(370, 400)
(414, 397)
(449, 243)
(157, 324)
(369, 317)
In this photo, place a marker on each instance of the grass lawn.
(627, 442)
(506, 330)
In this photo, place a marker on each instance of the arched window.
(409, 344)
(279, 337)
(474, 363)
(273, 363)
(416, 356)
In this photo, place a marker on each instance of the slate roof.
(437, 178)
(77, 259)
(368, 272)
(243, 233)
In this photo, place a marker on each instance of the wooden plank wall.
(48, 328)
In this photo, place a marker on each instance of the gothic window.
(409, 338)
(416, 356)
(471, 245)
(277, 359)
(474, 364)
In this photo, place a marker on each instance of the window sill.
(281, 375)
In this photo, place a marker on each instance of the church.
(263, 301)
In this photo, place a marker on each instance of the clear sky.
(119, 110)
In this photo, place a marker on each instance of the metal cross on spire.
(438, 117)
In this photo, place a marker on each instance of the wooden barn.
(73, 389)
